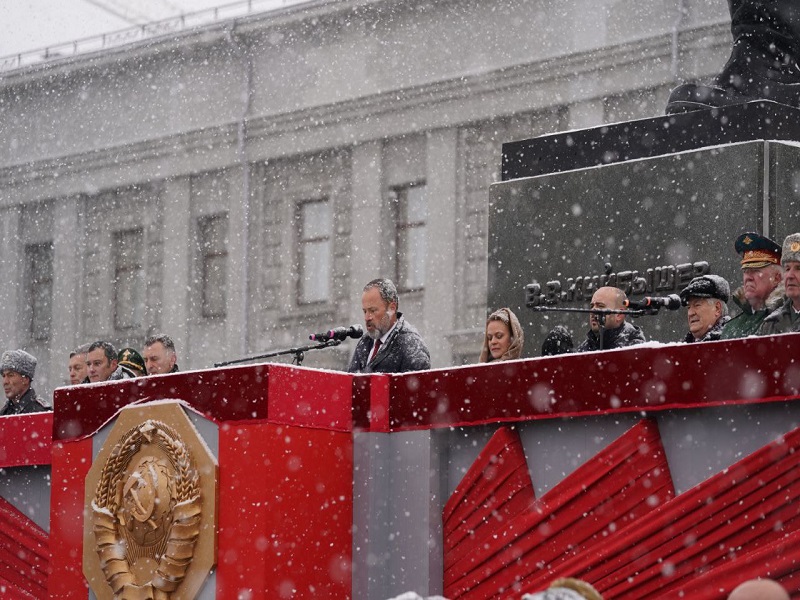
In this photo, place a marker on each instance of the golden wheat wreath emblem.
(146, 513)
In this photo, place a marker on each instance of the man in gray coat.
(787, 318)
(391, 345)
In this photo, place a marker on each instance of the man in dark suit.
(391, 345)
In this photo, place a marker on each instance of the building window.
(410, 212)
(39, 265)
(213, 239)
(314, 223)
(129, 281)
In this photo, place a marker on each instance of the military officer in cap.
(130, 359)
(761, 291)
(706, 298)
(18, 368)
(787, 317)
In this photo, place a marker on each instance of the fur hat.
(18, 361)
(791, 249)
(707, 286)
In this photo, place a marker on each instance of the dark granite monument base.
(656, 220)
(647, 138)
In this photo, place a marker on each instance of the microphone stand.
(299, 354)
(602, 313)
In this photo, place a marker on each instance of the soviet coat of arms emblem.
(146, 513)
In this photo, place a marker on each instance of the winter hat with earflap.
(791, 249)
(18, 361)
(706, 286)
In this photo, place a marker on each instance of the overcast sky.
(34, 24)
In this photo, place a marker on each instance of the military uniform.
(24, 365)
(784, 320)
(29, 402)
(757, 252)
(748, 321)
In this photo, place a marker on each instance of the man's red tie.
(375, 347)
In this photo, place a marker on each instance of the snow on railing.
(139, 33)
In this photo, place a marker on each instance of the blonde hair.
(506, 316)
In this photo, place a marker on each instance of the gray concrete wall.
(679, 209)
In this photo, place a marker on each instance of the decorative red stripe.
(606, 490)
(12, 592)
(495, 489)
(719, 536)
(24, 554)
(777, 560)
(751, 505)
(622, 483)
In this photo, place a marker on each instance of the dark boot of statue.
(763, 63)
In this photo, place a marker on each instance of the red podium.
(646, 471)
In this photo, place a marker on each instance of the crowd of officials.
(768, 302)
(90, 363)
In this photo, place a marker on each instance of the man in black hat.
(787, 318)
(706, 298)
(18, 368)
(761, 291)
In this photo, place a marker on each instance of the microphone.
(671, 302)
(338, 333)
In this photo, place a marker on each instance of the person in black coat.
(392, 344)
(617, 332)
(18, 368)
(706, 298)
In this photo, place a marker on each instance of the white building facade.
(236, 185)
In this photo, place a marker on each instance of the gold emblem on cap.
(747, 240)
(795, 247)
